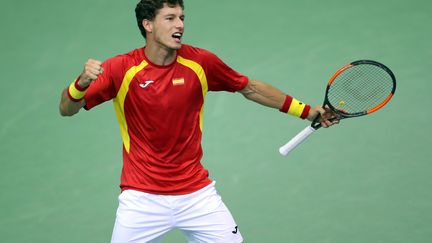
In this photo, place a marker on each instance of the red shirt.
(160, 112)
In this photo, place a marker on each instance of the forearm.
(264, 94)
(68, 107)
(267, 95)
(72, 98)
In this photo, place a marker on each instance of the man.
(158, 93)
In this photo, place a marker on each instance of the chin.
(177, 46)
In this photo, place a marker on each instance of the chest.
(166, 89)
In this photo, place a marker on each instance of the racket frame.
(343, 115)
(305, 133)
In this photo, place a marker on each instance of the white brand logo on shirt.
(146, 83)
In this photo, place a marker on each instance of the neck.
(159, 55)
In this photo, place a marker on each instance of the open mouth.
(177, 36)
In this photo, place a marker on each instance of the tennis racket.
(357, 89)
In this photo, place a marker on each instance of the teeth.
(177, 35)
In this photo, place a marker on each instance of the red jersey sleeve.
(107, 84)
(221, 77)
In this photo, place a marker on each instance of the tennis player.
(158, 93)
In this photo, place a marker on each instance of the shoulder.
(135, 56)
(125, 60)
(196, 53)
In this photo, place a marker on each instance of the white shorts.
(201, 216)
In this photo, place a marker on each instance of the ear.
(148, 25)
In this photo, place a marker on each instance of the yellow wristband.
(296, 108)
(75, 92)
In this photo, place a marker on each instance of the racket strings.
(360, 88)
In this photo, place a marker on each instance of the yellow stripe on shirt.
(120, 99)
(199, 71)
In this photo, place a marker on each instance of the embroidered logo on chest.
(146, 83)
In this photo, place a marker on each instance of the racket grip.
(295, 141)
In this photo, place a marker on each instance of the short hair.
(147, 9)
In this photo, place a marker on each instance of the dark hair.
(147, 9)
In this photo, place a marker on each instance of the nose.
(180, 23)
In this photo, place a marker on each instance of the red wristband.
(78, 87)
(305, 112)
(286, 105)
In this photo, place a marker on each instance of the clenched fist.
(92, 69)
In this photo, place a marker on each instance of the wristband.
(295, 107)
(76, 92)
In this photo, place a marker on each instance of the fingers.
(328, 117)
(328, 123)
(315, 112)
(92, 69)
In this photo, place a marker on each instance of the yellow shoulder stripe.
(120, 99)
(199, 71)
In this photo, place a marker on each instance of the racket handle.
(300, 137)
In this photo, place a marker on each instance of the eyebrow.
(173, 15)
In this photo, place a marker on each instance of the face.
(166, 30)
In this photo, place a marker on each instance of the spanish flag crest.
(178, 81)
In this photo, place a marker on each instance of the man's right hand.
(92, 69)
